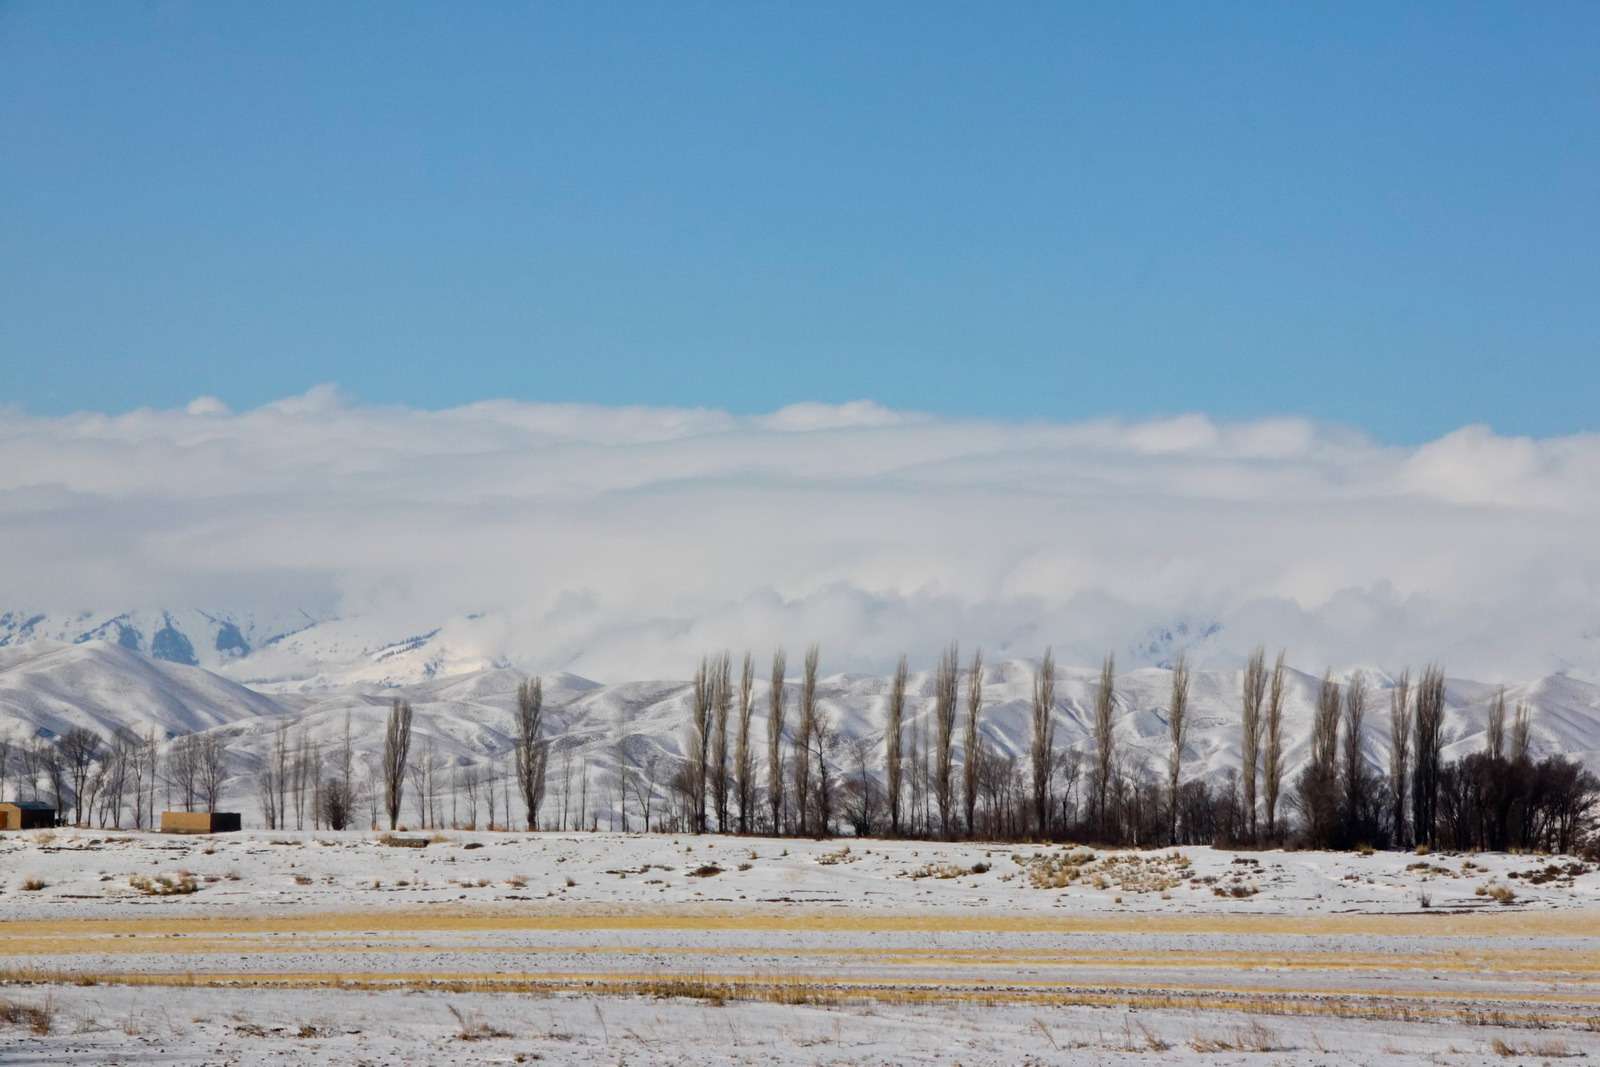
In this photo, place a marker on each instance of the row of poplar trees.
(1342, 797)
(812, 772)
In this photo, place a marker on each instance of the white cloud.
(207, 405)
(622, 541)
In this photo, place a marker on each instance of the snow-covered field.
(181, 1027)
(310, 947)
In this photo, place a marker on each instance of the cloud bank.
(620, 542)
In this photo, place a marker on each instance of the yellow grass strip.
(1570, 964)
(1576, 923)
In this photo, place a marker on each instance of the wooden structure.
(199, 822)
(26, 815)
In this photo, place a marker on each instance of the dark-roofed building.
(26, 815)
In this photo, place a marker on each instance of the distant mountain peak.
(1162, 644)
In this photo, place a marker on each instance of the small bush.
(1500, 894)
(472, 1027)
(37, 1019)
(165, 885)
(939, 870)
(393, 841)
(33, 885)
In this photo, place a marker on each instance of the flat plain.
(306, 946)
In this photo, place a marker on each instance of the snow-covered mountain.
(300, 650)
(307, 652)
(190, 636)
(466, 718)
(48, 688)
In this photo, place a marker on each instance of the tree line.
(818, 781)
(92, 780)
(934, 775)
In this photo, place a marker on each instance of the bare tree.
(1495, 736)
(744, 764)
(1319, 781)
(1356, 782)
(505, 795)
(183, 768)
(314, 775)
(80, 748)
(267, 794)
(54, 765)
(136, 780)
(699, 740)
(804, 739)
(347, 765)
(775, 715)
(31, 757)
(278, 774)
(396, 749)
(5, 765)
(531, 750)
(491, 784)
(863, 788)
(1105, 740)
(301, 773)
(124, 747)
(1069, 770)
(150, 758)
(1521, 735)
(946, 686)
(893, 740)
(922, 774)
(213, 769)
(583, 796)
(1178, 731)
(972, 742)
(827, 739)
(1429, 748)
(1255, 691)
(1272, 761)
(1399, 752)
(566, 787)
(1042, 749)
(468, 777)
(722, 704)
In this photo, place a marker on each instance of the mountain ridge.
(467, 719)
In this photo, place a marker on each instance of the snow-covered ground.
(212, 1027)
(307, 947)
(87, 874)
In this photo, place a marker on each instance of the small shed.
(26, 815)
(200, 822)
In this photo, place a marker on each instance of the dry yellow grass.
(1576, 966)
(387, 921)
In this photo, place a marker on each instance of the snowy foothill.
(465, 722)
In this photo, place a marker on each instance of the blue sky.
(1381, 215)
